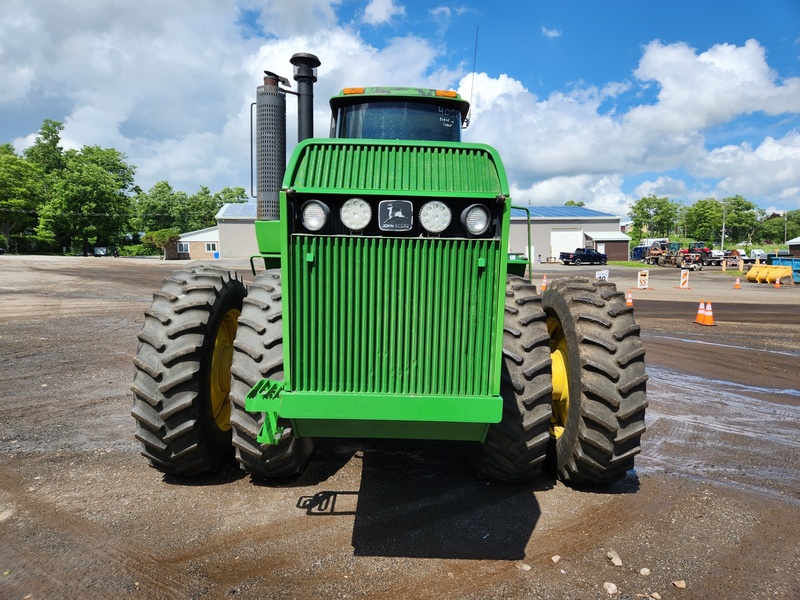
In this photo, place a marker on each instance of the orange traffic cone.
(701, 313)
(737, 285)
(629, 299)
(544, 282)
(777, 285)
(709, 320)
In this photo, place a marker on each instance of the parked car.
(583, 255)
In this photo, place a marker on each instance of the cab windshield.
(393, 120)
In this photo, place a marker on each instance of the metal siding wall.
(237, 239)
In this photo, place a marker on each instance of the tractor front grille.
(387, 315)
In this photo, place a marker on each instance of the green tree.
(741, 219)
(162, 239)
(163, 207)
(653, 215)
(46, 151)
(19, 192)
(155, 209)
(199, 210)
(777, 228)
(704, 220)
(235, 195)
(574, 203)
(88, 201)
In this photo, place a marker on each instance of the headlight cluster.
(356, 214)
(315, 215)
(435, 216)
(475, 219)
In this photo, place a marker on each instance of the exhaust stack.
(305, 74)
(270, 145)
(271, 129)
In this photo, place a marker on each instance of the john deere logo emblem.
(395, 215)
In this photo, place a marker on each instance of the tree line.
(55, 200)
(705, 220)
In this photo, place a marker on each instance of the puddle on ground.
(722, 431)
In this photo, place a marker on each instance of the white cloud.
(286, 18)
(662, 186)
(170, 84)
(598, 192)
(702, 90)
(550, 33)
(381, 12)
(768, 170)
(556, 143)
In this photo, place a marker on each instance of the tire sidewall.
(560, 450)
(219, 440)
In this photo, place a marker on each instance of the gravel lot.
(713, 505)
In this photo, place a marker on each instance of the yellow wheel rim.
(221, 370)
(560, 377)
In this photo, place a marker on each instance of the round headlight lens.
(315, 214)
(356, 214)
(435, 216)
(475, 219)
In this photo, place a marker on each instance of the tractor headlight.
(355, 214)
(315, 215)
(435, 216)
(475, 219)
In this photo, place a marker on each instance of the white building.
(199, 245)
(556, 229)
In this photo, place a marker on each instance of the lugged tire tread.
(258, 354)
(515, 448)
(167, 387)
(607, 381)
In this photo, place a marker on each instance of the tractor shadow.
(419, 499)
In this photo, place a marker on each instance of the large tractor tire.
(258, 354)
(598, 378)
(182, 365)
(516, 447)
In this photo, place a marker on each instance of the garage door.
(565, 240)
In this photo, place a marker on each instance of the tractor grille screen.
(360, 166)
(386, 315)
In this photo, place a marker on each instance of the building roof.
(209, 234)
(560, 212)
(244, 211)
(794, 241)
(608, 236)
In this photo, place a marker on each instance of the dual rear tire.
(204, 343)
(573, 385)
(572, 380)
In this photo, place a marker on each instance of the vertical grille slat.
(410, 316)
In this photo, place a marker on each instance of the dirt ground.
(711, 511)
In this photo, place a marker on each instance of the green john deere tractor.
(385, 310)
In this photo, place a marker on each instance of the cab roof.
(349, 96)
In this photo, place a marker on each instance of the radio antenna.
(472, 84)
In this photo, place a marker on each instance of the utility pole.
(785, 213)
(722, 241)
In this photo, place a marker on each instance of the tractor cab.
(396, 113)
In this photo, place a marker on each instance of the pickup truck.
(583, 255)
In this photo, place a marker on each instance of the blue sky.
(602, 102)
